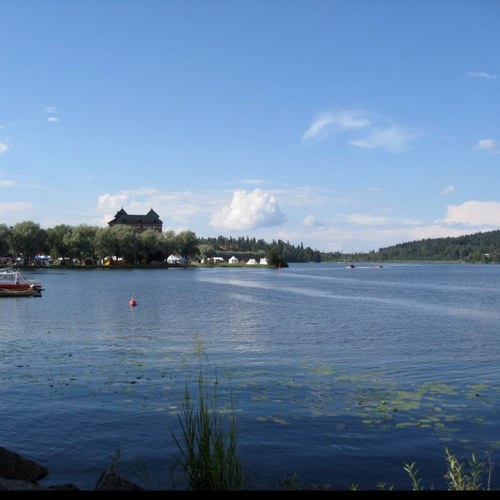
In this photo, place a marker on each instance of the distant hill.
(473, 248)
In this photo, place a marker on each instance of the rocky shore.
(19, 473)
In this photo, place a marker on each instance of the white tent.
(175, 259)
(233, 260)
(263, 261)
(252, 262)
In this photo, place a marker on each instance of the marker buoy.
(132, 301)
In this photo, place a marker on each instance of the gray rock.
(19, 485)
(15, 466)
(111, 481)
(21, 474)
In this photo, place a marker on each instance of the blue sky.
(343, 125)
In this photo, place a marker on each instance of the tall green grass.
(460, 475)
(208, 457)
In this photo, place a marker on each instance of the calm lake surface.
(338, 376)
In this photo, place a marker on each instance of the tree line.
(87, 244)
(90, 244)
(478, 248)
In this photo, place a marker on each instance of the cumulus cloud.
(487, 145)
(327, 123)
(448, 190)
(3, 147)
(482, 75)
(112, 201)
(478, 213)
(249, 210)
(52, 119)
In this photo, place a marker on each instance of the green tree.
(206, 251)
(150, 246)
(4, 240)
(169, 242)
(57, 240)
(125, 240)
(81, 242)
(187, 244)
(28, 239)
(104, 243)
(274, 258)
(117, 241)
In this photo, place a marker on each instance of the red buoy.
(132, 301)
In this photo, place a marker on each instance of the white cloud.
(325, 123)
(393, 139)
(51, 110)
(3, 147)
(6, 183)
(448, 190)
(112, 201)
(306, 196)
(16, 208)
(482, 75)
(310, 220)
(258, 213)
(480, 213)
(430, 232)
(253, 181)
(487, 145)
(368, 220)
(249, 210)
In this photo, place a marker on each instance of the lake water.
(337, 376)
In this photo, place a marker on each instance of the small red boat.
(14, 284)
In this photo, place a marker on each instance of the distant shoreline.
(143, 266)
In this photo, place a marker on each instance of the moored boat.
(14, 284)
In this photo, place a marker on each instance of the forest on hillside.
(474, 248)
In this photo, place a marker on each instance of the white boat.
(14, 284)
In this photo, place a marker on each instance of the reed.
(463, 478)
(208, 444)
(460, 475)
